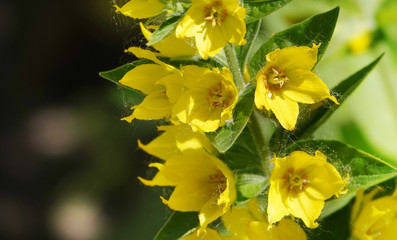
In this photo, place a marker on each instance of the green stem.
(234, 66)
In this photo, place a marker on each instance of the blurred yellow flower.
(213, 23)
(287, 79)
(361, 42)
(162, 83)
(209, 98)
(374, 219)
(249, 223)
(202, 183)
(141, 8)
(299, 185)
(175, 139)
(210, 234)
(171, 46)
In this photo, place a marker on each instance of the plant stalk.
(234, 66)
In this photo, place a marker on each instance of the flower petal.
(258, 230)
(144, 78)
(153, 106)
(192, 22)
(305, 207)
(141, 8)
(294, 57)
(276, 208)
(305, 87)
(285, 109)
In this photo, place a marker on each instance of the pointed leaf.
(255, 37)
(317, 29)
(131, 95)
(362, 169)
(257, 9)
(224, 137)
(165, 29)
(177, 225)
(312, 119)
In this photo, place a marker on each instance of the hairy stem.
(234, 66)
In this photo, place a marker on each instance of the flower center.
(215, 13)
(295, 180)
(219, 96)
(275, 78)
(218, 180)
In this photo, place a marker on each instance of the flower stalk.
(234, 66)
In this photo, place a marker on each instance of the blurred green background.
(69, 166)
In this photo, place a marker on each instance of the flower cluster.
(207, 105)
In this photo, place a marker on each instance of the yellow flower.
(213, 23)
(162, 83)
(299, 185)
(171, 46)
(210, 234)
(202, 183)
(175, 140)
(209, 98)
(360, 43)
(287, 79)
(374, 219)
(141, 8)
(249, 223)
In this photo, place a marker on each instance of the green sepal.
(361, 169)
(115, 75)
(317, 29)
(257, 9)
(224, 137)
(313, 118)
(165, 29)
(177, 225)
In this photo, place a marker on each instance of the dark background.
(69, 166)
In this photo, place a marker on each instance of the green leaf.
(165, 29)
(257, 9)
(224, 137)
(317, 29)
(255, 37)
(336, 226)
(313, 118)
(132, 96)
(244, 160)
(177, 225)
(249, 186)
(363, 169)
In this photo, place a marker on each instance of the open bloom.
(141, 8)
(287, 79)
(209, 98)
(175, 139)
(374, 219)
(202, 183)
(299, 185)
(161, 83)
(171, 46)
(213, 23)
(249, 223)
